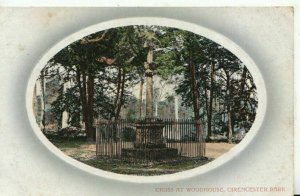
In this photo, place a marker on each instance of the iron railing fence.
(185, 135)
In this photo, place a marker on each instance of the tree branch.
(97, 39)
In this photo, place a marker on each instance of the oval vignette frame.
(210, 34)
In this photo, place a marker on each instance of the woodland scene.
(151, 99)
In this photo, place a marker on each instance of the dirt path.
(214, 150)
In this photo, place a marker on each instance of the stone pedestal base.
(149, 143)
(149, 132)
(150, 153)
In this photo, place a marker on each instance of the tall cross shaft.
(149, 83)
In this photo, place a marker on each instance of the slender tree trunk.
(65, 114)
(241, 102)
(90, 110)
(119, 81)
(207, 108)
(79, 84)
(121, 97)
(196, 98)
(195, 94)
(141, 97)
(211, 98)
(229, 113)
(229, 126)
(196, 104)
(84, 98)
(85, 106)
(243, 80)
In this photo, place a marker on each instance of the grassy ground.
(145, 168)
(85, 152)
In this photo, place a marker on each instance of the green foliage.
(115, 58)
(69, 102)
(204, 54)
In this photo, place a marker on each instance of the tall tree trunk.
(243, 80)
(119, 81)
(90, 111)
(196, 98)
(229, 126)
(141, 97)
(211, 98)
(79, 84)
(84, 98)
(121, 96)
(229, 113)
(195, 94)
(206, 100)
(84, 104)
(65, 114)
(242, 95)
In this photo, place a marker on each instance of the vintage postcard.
(147, 100)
